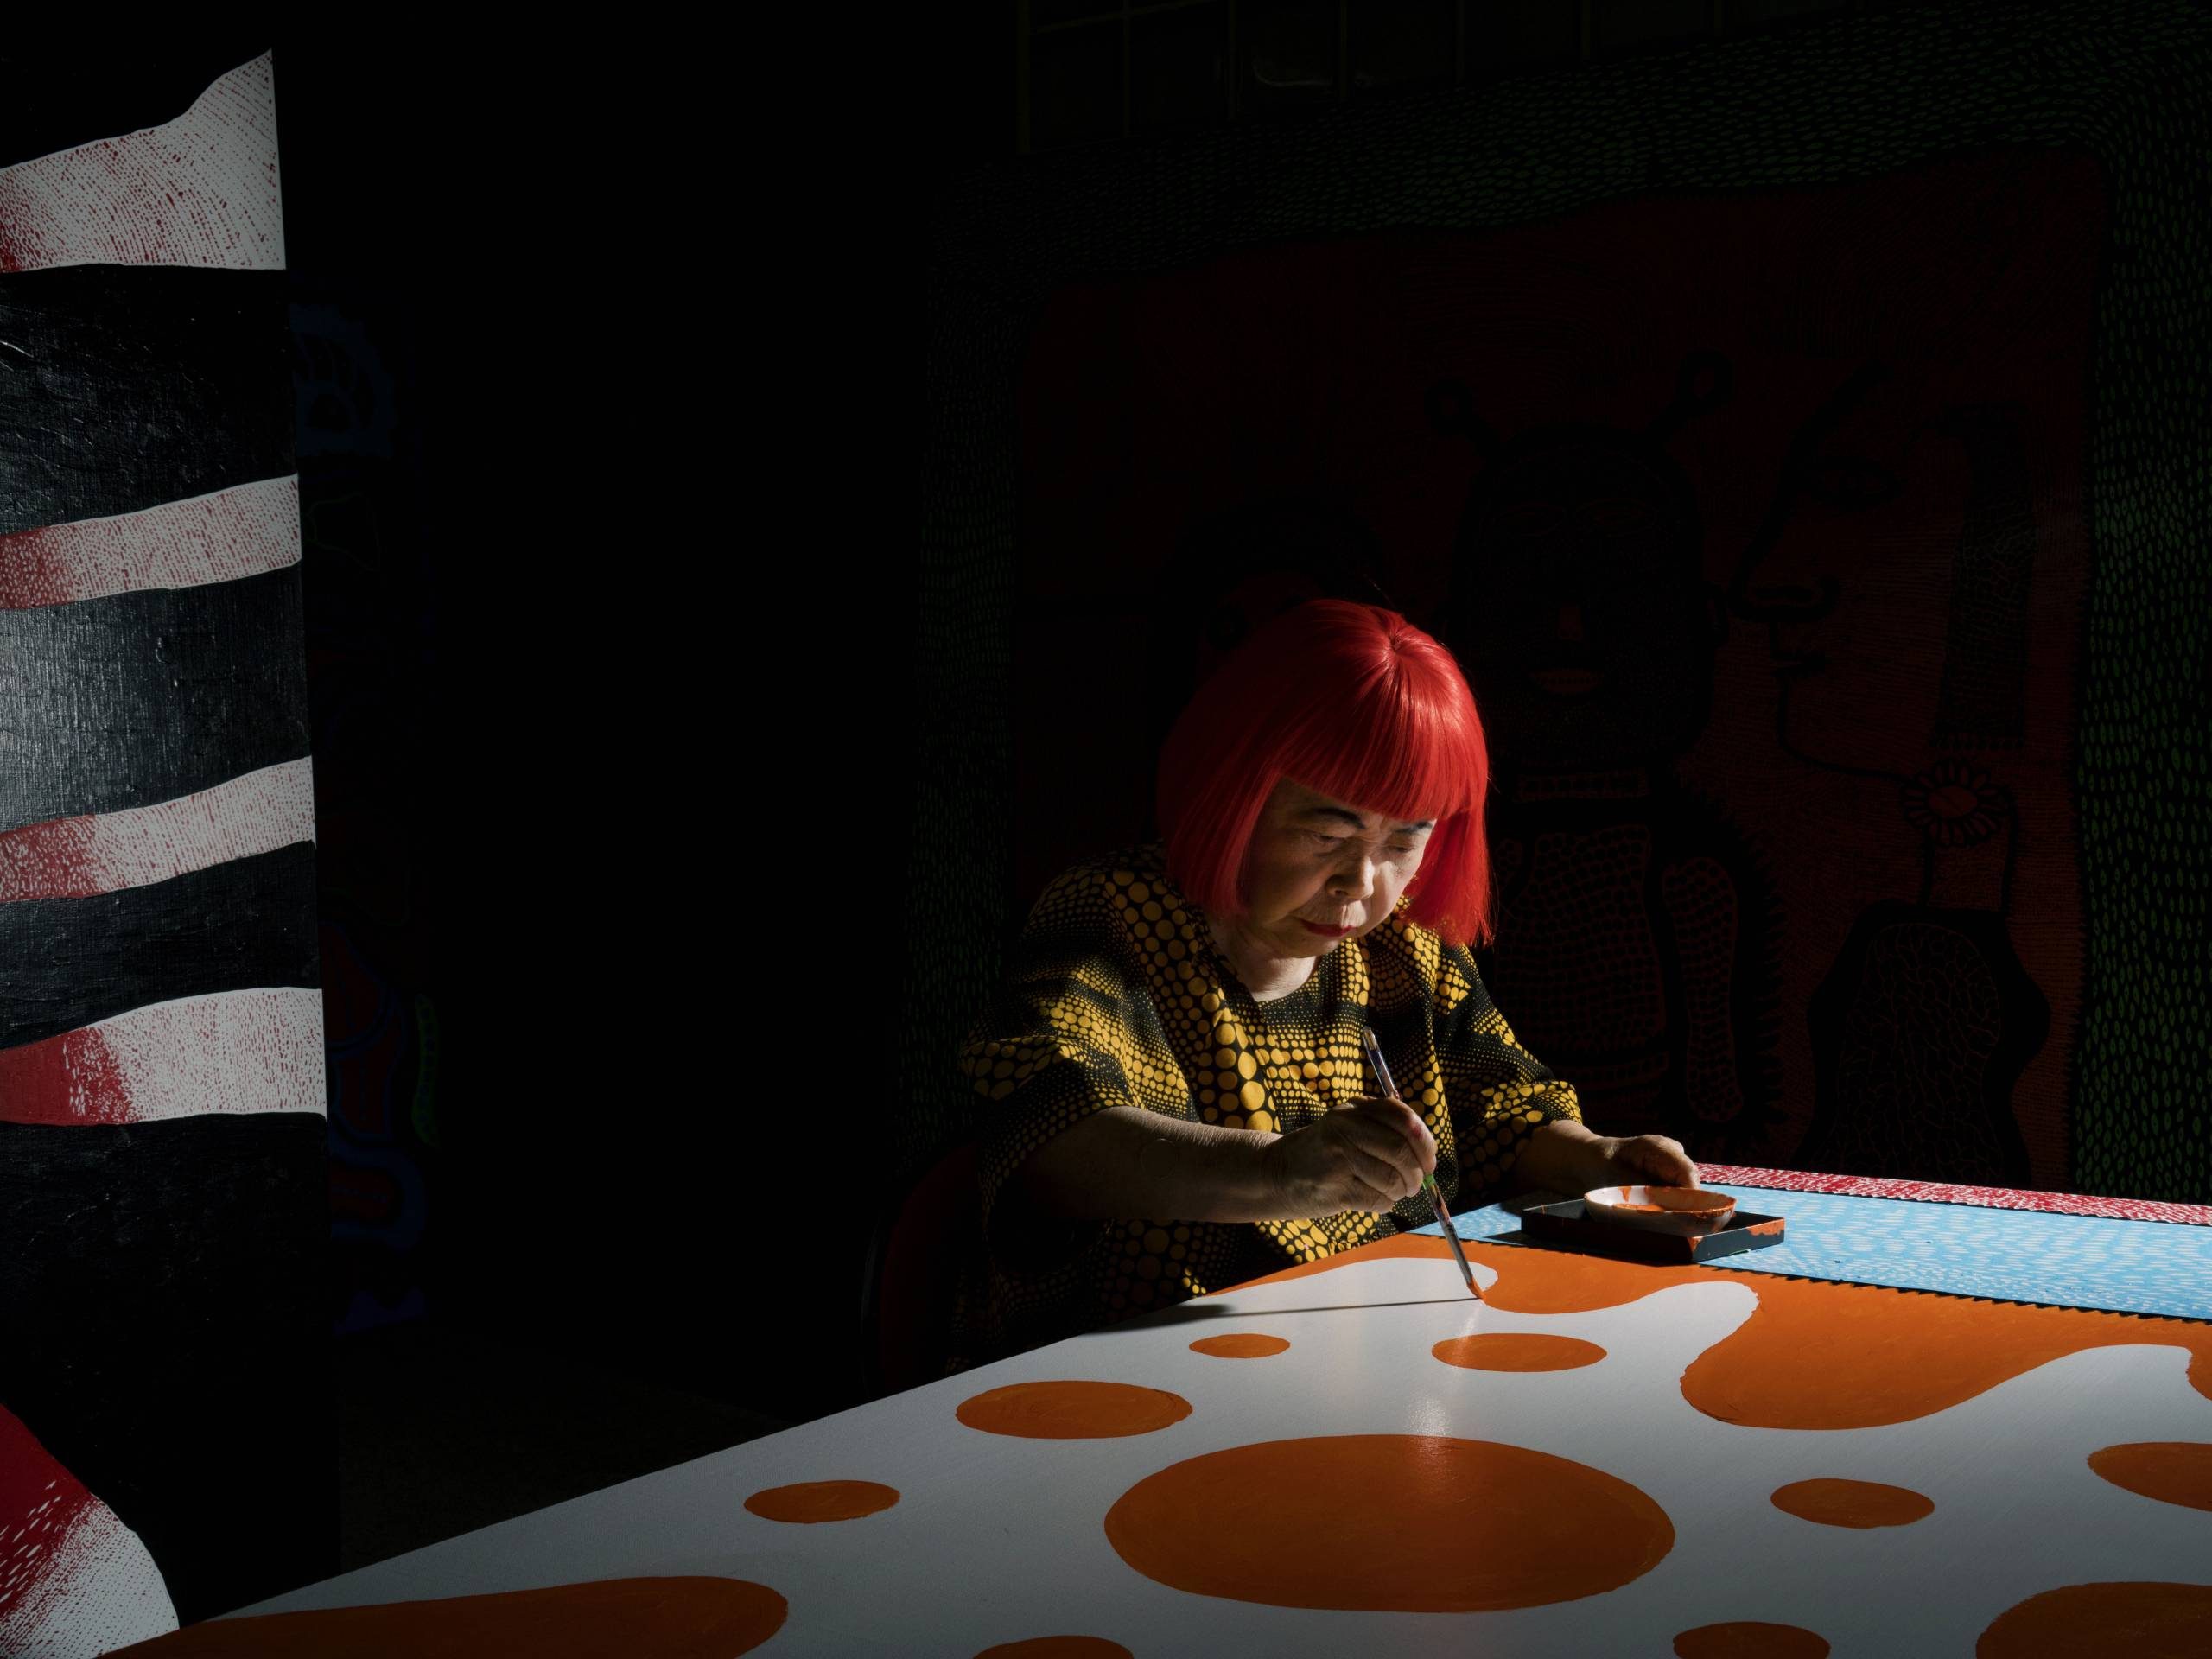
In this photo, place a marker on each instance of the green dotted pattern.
(1854, 98)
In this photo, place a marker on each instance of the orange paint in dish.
(640, 1618)
(814, 1501)
(1851, 1503)
(2172, 1471)
(1069, 1410)
(1447, 1525)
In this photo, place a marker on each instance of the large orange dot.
(2142, 1620)
(1073, 1411)
(1749, 1638)
(1853, 1503)
(652, 1619)
(813, 1501)
(1242, 1346)
(1446, 1526)
(1518, 1351)
(2173, 1472)
(1059, 1646)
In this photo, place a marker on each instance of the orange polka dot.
(1243, 1345)
(2173, 1472)
(1749, 1638)
(652, 1619)
(1853, 1503)
(1059, 1646)
(811, 1500)
(1073, 1410)
(2160, 1621)
(1469, 1526)
(1518, 1351)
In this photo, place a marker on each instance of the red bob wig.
(1355, 702)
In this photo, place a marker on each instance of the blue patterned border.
(2013, 1255)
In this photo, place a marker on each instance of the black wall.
(666, 368)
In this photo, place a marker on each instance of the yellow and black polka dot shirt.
(1117, 996)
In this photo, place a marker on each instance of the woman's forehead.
(1291, 799)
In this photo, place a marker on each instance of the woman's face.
(1320, 872)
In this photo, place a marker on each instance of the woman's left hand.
(1566, 1157)
(1649, 1160)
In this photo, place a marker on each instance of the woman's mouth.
(1326, 932)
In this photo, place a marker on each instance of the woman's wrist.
(1205, 1172)
(1125, 1161)
(1562, 1156)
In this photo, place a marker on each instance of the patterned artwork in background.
(2056, 1203)
(161, 1080)
(2117, 101)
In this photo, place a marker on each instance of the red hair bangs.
(1352, 701)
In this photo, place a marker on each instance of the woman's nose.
(1354, 880)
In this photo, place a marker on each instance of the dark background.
(643, 642)
(609, 586)
(636, 664)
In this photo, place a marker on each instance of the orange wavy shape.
(1813, 1354)
(1816, 1354)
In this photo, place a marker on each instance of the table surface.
(1596, 1457)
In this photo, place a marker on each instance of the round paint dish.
(1685, 1210)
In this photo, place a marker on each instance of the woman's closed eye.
(1329, 843)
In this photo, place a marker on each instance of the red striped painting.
(161, 1076)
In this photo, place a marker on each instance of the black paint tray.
(1566, 1226)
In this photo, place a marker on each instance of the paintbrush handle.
(1434, 1192)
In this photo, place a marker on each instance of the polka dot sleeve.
(1072, 1033)
(1500, 1093)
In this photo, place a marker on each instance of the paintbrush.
(1427, 1182)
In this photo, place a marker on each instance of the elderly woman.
(1175, 1099)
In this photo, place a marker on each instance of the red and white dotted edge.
(1992, 1198)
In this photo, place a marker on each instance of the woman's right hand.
(1366, 1155)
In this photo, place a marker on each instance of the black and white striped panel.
(162, 1165)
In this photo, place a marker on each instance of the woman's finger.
(1376, 1168)
(1382, 1140)
(1664, 1160)
(1401, 1120)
